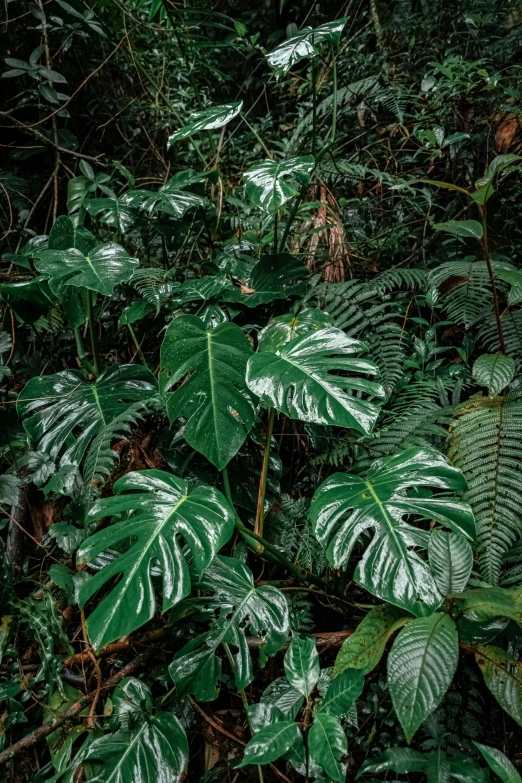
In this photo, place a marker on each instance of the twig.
(43, 731)
(48, 142)
(91, 720)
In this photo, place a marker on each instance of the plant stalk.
(92, 330)
(80, 349)
(485, 247)
(260, 513)
(314, 106)
(335, 97)
(137, 346)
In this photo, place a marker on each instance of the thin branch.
(48, 142)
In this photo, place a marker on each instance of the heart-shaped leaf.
(299, 380)
(272, 183)
(345, 506)
(112, 212)
(208, 119)
(274, 277)
(162, 510)
(285, 328)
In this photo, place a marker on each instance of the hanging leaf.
(101, 270)
(112, 212)
(63, 413)
(451, 561)
(346, 505)
(503, 676)
(498, 763)
(302, 664)
(305, 44)
(365, 647)
(495, 371)
(285, 328)
(299, 380)
(271, 743)
(214, 396)
(421, 665)
(328, 745)
(342, 692)
(208, 119)
(272, 183)
(274, 277)
(461, 228)
(162, 510)
(239, 604)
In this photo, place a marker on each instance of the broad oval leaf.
(365, 647)
(63, 413)
(487, 603)
(208, 119)
(162, 510)
(503, 676)
(285, 328)
(494, 370)
(451, 561)
(237, 604)
(304, 44)
(298, 380)
(278, 276)
(272, 183)
(399, 760)
(271, 743)
(461, 228)
(302, 664)
(421, 665)
(342, 692)
(345, 506)
(105, 267)
(499, 763)
(214, 396)
(328, 745)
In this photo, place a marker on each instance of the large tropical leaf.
(285, 328)
(302, 664)
(274, 277)
(101, 270)
(299, 380)
(451, 561)
(214, 396)
(304, 44)
(162, 511)
(421, 665)
(272, 183)
(65, 235)
(208, 119)
(111, 211)
(345, 506)
(364, 648)
(147, 746)
(503, 676)
(461, 228)
(63, 413)
(239, 605)
(171, 198)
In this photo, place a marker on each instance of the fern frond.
(155, 285)
(466, 290)
(387, 349)
(512, 329)
(486, 444)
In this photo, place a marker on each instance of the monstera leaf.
(298, 379)
(63, 413)
(214, 397)
(240, 605)
(172, 198)
(101, 270)
(112, 212)
(285, 328)
(147, 746)
(161, 511)
(345, 506)
(64, 235)
(208, 119)
(304, 44)
(272, 183)
(274, 277)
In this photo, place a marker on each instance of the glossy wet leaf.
(112, 212)
(451, 561)
(235, 605)
(302, 664)
(346, 505)
(105, 267)
(399, 760)
(135, 312)
(273, 277)
(503, 676)
(421, 665)
(213, 395)
(489, 602)
(494, 370)
(162, 511)
(208, 119)
(461, 228)
(328, 745)
(364, 648)
(271, 743)
(498, 763)
(304, 44)
(147, 746)
(342, 692)
(171, 198)
(272, 183)
(284, 696)
(299, 380)
(285, 328)
(63, 413)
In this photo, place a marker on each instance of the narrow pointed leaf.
(499, 763)
(399, 760)
(105, 267)
(208, 119)
(342, 692)
(345, 506)
(302, 664)
(494, 370)
(162, 510)
(271, 743)
(461, 228)
(328, 745)
(503, 676)
(421, 665)
(272, 183)
(214, 396)
(451, 561)
(365, 647)
(299, 380)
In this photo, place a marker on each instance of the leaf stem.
(92, 330)
(334, 118)
(80, 349)
(485, 247)
(137, 345)
(260, 513)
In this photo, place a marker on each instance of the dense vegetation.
(260, 391)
